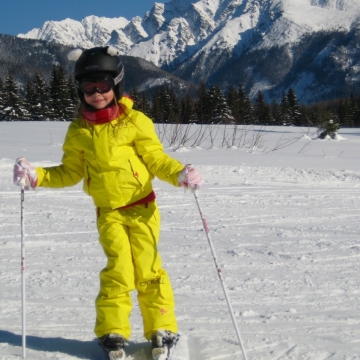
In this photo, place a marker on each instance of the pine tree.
(188, 110)
(305, 117)
(169, 105)
(262, 110)
(294, 108)
(221, 112)
(156, 107)
(1, 94)
(246, 110)
(73, 99)
(43, 99)
(276, 113)
(145, 104)
(348, 113)
(141, 102)
(233, 103)
(357, 112)
(30, 99)
(285, 110)
(13, 108)
(202, 107)
(136, 98)
(211, 103)
(354, 110)
(315, 114)
(59, 92)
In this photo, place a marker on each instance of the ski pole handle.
(22, 181)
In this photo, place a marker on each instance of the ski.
(165, 353)
(117, 355)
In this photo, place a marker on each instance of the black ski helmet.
(99, 60)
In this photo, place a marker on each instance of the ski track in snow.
(286, 239)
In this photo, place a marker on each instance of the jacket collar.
(102, 116)
(109, 114)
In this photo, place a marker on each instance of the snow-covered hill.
(284, 223)
(201, 40)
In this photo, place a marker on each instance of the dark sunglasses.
(92, 85)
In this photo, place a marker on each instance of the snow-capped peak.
(199, 39)
(91, 31)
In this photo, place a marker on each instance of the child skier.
(117, 153)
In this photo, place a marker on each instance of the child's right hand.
(24, 174)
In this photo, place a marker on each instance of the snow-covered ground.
(284, 220)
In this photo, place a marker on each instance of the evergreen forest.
(57, 101)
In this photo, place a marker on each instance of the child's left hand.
(190, 177)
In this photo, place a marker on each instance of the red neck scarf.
(102, 116)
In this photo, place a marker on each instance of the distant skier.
(116, 151)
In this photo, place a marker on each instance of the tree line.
(57, 101)
(214, 106)
(37, 100)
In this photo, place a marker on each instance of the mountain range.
(25, 57)
(268, 45)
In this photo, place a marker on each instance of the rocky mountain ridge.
(25, 57)
(267, 45)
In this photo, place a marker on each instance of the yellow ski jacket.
(116, 160)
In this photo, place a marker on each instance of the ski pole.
(22, 184)
(219, 271)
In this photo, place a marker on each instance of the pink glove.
(24, 174)
(190, 177)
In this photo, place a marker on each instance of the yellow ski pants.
(129, 239)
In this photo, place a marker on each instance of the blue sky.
(20, 16)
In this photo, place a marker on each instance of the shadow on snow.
(77, 348)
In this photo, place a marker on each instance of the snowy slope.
(284, 220)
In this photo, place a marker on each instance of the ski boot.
(113, 345)
(162, 342)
